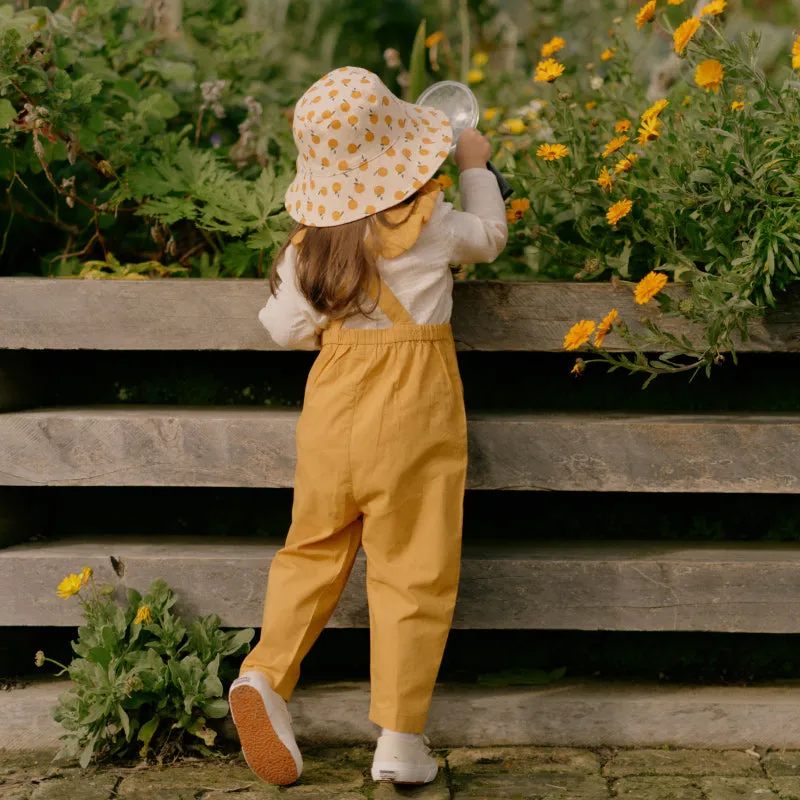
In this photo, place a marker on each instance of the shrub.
(144, 681)
(699, 184)
(149, 150)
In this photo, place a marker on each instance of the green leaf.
(216, 709)
(238, 642)
(7, 113)
(262, 240)
(158, 104)
(418, 75)
(146, 733)
(125, 721)
(100, 655)
(170, 71)
(85, 88)
(88, 751)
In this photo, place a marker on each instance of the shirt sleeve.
(478, 234)
(288, 317)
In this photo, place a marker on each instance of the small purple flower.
(216, 140)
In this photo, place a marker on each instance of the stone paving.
(510, 773)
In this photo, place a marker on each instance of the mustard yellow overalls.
(382, 460)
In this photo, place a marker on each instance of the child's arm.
(287, 316)
(479, 232)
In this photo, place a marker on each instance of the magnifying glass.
(461, 106)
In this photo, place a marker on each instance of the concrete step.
(40, 314)
(253, 447)
(569, 713)
(624, 586)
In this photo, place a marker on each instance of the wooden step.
(41, 314)
(569, 713)
(254, 447)
(624, 586)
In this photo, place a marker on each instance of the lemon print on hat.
(356, 154)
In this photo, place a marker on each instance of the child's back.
(414, 260)
(382, 439)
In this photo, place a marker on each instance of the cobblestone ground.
(467, 774)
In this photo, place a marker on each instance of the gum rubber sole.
(264, 752)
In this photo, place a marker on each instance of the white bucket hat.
(360, 149)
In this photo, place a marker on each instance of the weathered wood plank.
(252, 447)
(630, 586)
(571, 713)
(39, 313)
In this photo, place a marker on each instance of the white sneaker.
(265, 729)
(403, 758)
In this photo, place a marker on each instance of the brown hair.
(336, 266)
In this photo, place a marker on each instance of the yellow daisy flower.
(475, 76)
(687, 100)
(547, 71)
(143, 615)
(491, 113)
(578, 368)
(590, 105)
(518, 209)
(579, 334)
(649, 286)
(605, 180)
(604, 327)
(608, 54)
(480, 59)
(623, 126)
(86, 573)
(625, 164)
(684, 33)
(552, 152)
(646, 14)
(796, 53)
(649, 131)
(614, 145)
(655, 110)
(553, 46)
(714, 8)
(618, 211)
(69, 586)
(513, 125)
(709, 75)
(737, 105)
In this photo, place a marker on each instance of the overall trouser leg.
(409, 475)
(309, 574)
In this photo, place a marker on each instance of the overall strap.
(390, 305)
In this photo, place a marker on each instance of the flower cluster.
(581, 332)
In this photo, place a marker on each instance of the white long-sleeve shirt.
(420, 277)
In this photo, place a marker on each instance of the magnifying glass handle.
(505, 187)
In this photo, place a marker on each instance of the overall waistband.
(398, 333)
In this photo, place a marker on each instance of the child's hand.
(472, 150)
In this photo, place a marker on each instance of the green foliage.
(714, 195)
(130, 150)
(145, 682)
(120, 135)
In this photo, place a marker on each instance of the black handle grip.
(505, 187)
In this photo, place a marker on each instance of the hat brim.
(323, 198)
